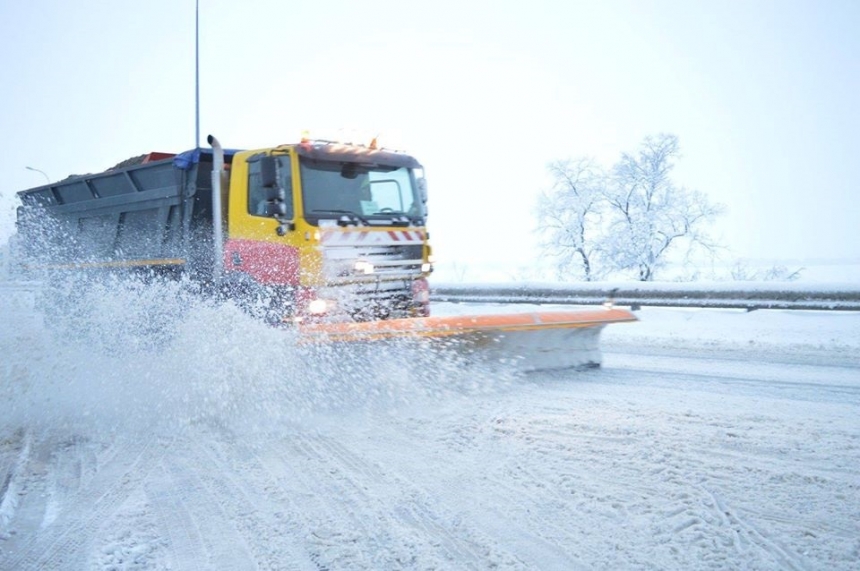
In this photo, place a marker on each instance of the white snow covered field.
(153, 435)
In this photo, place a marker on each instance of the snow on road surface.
(708, 440)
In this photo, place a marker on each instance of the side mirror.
(276, 193)
(269, 172)
(422, 187)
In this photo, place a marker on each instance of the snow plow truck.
(325, 237)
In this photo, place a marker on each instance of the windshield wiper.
(398, 217)
(349, 214)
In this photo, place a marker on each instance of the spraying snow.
(130, 353)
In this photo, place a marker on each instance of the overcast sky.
(763, 96)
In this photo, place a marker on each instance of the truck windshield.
(371, 194)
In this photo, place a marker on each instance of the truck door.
(262, 210)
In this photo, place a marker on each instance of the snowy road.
(734, 448)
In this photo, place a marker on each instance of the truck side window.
(260, 199)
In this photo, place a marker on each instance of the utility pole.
(197, 73)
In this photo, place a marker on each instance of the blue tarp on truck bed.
(190, 158)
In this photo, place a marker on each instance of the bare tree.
(650, 215)
(741, 271)
(570, 217)
(595, 223)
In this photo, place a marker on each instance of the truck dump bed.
(154, 213)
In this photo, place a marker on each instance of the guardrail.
(740, 295)
(737, 295)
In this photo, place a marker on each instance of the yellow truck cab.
(343, 227)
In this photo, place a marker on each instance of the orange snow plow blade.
(531, 341)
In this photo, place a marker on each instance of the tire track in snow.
(464, 547)
(131, 539)
(60, 545)
(508, 503)
(65, 476)
(529, 481)
(703, 520)
(530, 506)
(273, 513)
(338, 532)
(673, 492)
(10, 486)
(355, 514)
(266, 527)
(285, 481)
(828, 527)
(184, 536)
(743, 528)
(523, 548)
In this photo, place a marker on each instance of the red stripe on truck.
(266, 262)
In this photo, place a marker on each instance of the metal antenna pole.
(197, 73)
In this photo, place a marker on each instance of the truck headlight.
(317, 307)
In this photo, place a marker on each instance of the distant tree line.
(625, 220)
